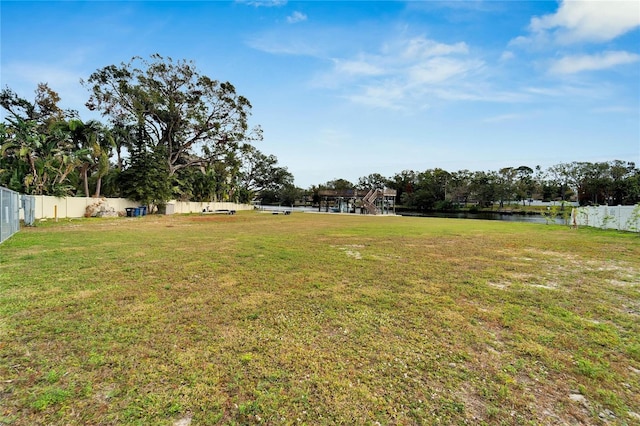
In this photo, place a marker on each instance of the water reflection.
(489, 216)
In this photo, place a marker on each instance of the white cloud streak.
(296, 17)
(600, 61)
(357, 67)
(420, 48)
(439, 70)
(278, 45)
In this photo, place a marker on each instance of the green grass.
(318, 319)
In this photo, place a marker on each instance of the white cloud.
(263, 3)
(439, 70)
(296, 17)
(588, 21)
(420, 48)
(471, 90)
(277, 44)
(579, 63)
(544, 91)
(357, 67)
(402, 73)
(387, 95)
(522, 41)
(415, 56)
(507, 55)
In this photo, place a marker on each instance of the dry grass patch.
(318, 319)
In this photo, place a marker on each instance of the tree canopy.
(171, 132)
(194, 118)
(37, 151)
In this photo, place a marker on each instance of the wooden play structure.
(370, 201)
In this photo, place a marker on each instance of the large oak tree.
(194, 119)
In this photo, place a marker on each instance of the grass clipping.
(318, 319)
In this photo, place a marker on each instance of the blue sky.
(345, 89)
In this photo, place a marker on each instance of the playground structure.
(370, 201)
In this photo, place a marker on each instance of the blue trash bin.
(136, 211)
(143, 210)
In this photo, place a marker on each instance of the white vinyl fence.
(9, 213)
(623, 218)
(71, 207)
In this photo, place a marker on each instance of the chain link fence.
(9, 213)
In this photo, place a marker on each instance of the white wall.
(196, 207)
(623, 218)
(51, 207)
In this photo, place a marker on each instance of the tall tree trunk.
(85, 180)
(98, 185)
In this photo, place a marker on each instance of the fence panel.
(9, 213)
(623, 218)
(29, 209)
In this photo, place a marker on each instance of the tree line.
(612, 182)
(173, 133)
(170, 133)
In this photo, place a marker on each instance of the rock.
(100, 209)
(185, 421)
(108, 213)
(580, 399)
(607, 415)
(576, 397)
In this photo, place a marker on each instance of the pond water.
(487, 216)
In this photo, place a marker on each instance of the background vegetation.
(614, 182)
(172, 133)
(318, 319)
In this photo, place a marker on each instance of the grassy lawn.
(318, 319)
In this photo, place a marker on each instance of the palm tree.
(92, 144)
(101, 154)
(36, 143)
(124, 137)
(60, 156)
(20, 150)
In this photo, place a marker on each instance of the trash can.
(136, 211)
(130, 211)
(143, 210)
